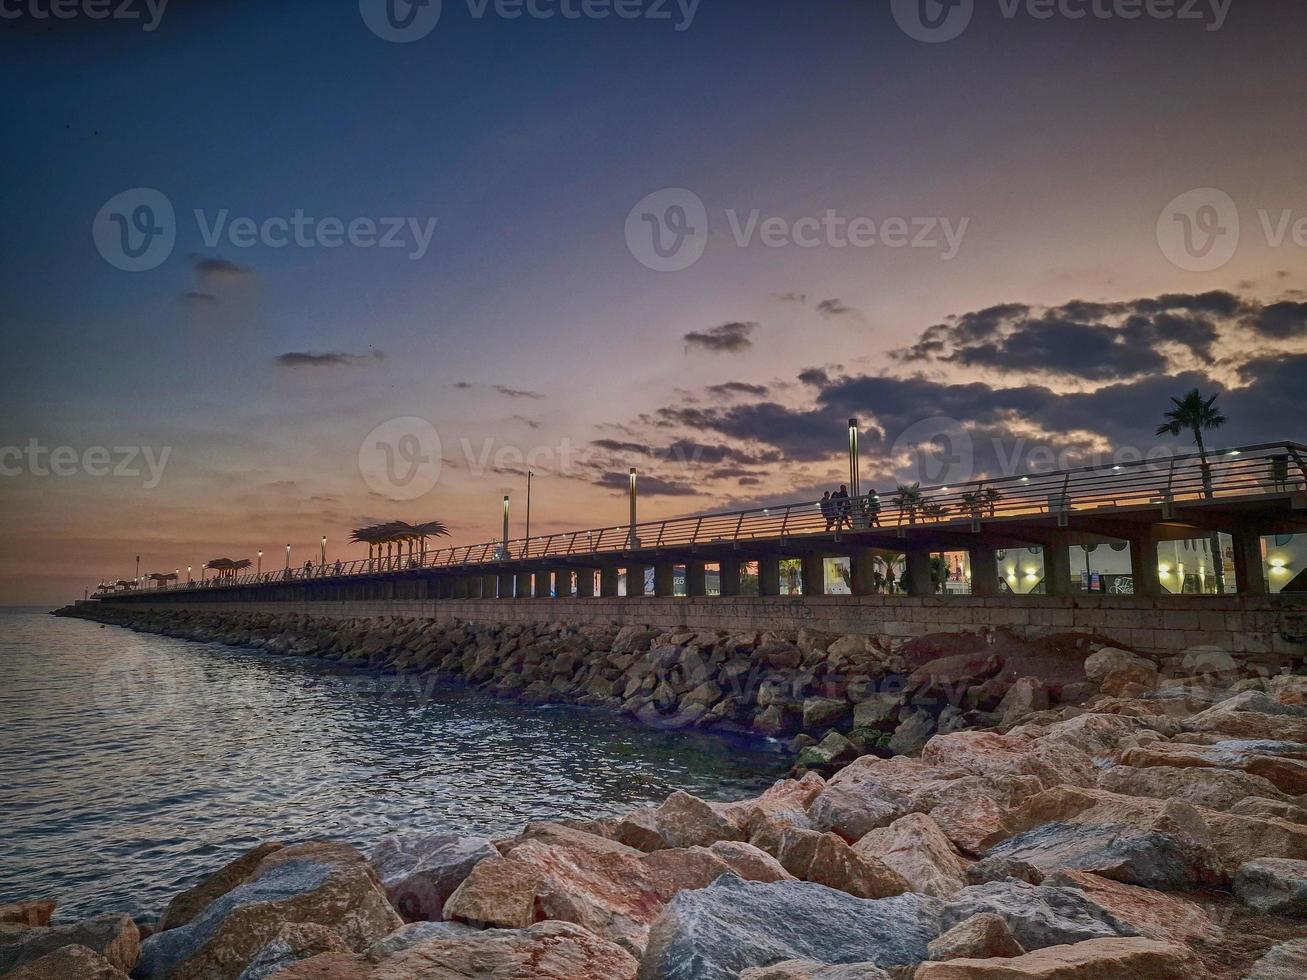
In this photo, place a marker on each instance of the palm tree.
(909, 500)
(1196, 414)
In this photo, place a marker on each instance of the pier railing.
(1268, 470)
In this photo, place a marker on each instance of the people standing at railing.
(843, 507)
(828, 509)
(871, 507)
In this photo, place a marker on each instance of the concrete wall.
(1239, 624)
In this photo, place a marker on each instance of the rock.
(1038, 915)
(912, 733)
(853, 807)
(325, 884)
(716, 933)
(823, 713)
(1095, 959)
(749, 862)
(113, 937)
(786, 801)
(414, 934)
(973, 821)
(498, 893)
(916, 848)
(1152, 914)
(1215, 789)
(1151, 843)
(687, 821)
(864, 875)
(34, 912)
(999, 868)
(420, 871)
(546, 951)
(293, 942)
(810, 970)
(1026, 696)
(878, 711)
(1279, 726)
(1099, 665)
(793, 847)
(779, 653)
(190, 903)
(69, 963)
(1238, 839)
(1287, 961)
(980, 937)
(1259, 806)
(1273, 887)
(1270, 760)
(992, 755)
(639, 829)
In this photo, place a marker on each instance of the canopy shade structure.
(392, 533)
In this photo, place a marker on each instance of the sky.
(275, 271)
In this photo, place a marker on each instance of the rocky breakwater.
(1157, 831)
(833, 697)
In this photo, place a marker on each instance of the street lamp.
(855, 489)
(503, 551)
(203, 569)
(288, 558)
(635, 542)
(189, 580)
(260, 570)
(324, 551)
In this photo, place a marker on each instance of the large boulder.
(113, 937)
(1284, 764)
(916, 848)
(852, 807)
(188, 904)
(687, 821)
(293, 942)
(498, 893)
(716, 933)
(1038, 915)
(810, 970)
(1215, 789)
(862, 874)
(545, 951)
(421, 871)
(1273, 887)
(1287, 961)
(324, 884)
(69, 963)
(1094, 959)
(32, 912)
(1152, 914)
(980, 937)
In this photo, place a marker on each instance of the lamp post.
(203, 569)
(529, 477)
(634, 541)
(287, 558)
(855, 489)
(504, 548)
(189, 580)
(260, 571)
(324, 551)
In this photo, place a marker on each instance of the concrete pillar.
(728, 576)
(444, 588)
(562, 583)
(522, 584)
(635, 580)
(609, 581)
(814, 575)
(1249, 570)
(1143, 563)
(544, 585)
(696, 579)
(919, 582)
(665, 578)
(1057, 566)
(505, 590)
(489, 586)
(585, 583)
(769, 575)
(984, 571)
(461, 587)
(862, 571)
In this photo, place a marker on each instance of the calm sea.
(131, 765)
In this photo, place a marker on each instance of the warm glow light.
(1279, 562)
(1164, 569)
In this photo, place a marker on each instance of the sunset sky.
(1049, 308)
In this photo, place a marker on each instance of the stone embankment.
(1158, 830)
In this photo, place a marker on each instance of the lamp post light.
(324, 551)
(189, 579)
(203, 569)
(855, 489)
(503, 551)
(260, 569)
(634, 541)
(288, 558)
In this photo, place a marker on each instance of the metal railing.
(1272, 469)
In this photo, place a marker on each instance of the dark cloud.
(508, 392)
(738, 388)
(830, 308)
(529, 423)
(1280, 321)
(312, 359)
(213, 268)
(650, 486)
(792, 297)
(730, 338)
(463, 385)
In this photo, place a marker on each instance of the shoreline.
(1156, 827)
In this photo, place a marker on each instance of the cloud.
(730, 338)
(649, 486)
(463, 385)
(831, 308)
(508, 392)
(731, 388)
(210, 268)
(529, 423)
(799, 298)
(1280, 321)
(313, 359)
